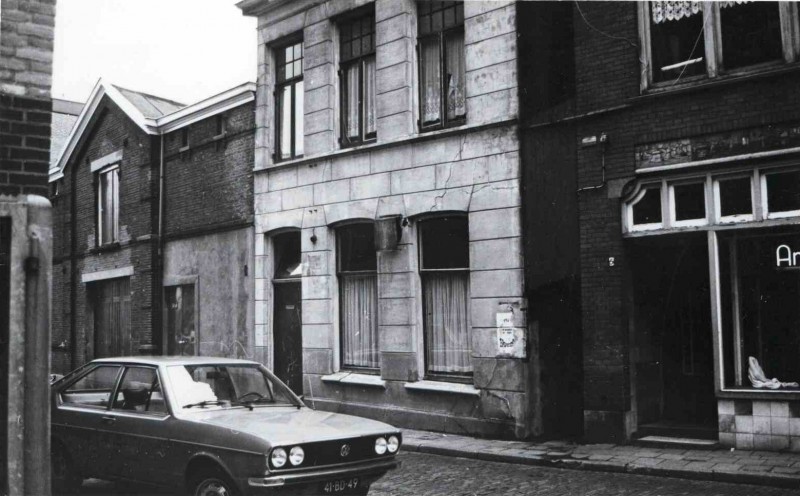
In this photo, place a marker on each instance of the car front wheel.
(65, 479)
(214, 484)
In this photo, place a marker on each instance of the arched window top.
(286, 249)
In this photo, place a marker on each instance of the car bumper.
(366, 472)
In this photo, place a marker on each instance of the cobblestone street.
(432, 475)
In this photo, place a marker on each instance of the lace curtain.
(369, 96)
(669, 10)
(456, 101)
(431, 81)
(447, 334)
(351, 112)
(359, 306)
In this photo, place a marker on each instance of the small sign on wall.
(510, 339)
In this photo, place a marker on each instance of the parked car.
(209, 426)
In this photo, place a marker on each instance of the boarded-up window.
(112, 317)
(180, 311)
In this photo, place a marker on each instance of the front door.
(112, 317)
(180, 320)
(288, 335)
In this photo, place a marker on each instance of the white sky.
(184, 50)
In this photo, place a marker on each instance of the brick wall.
(26, 54)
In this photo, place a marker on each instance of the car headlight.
(380, 446)
(393, 444)
(297, 455)
(278, 457)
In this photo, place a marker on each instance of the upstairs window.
(441, 64)
(358, 296)
(357, 79)
(695, 40)
(108, 205)
(289, 102)
(444, 271)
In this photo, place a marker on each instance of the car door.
(81, 421)
(141, 426)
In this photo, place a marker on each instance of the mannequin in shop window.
(759, 379)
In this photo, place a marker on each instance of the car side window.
(140, 391)
(93, 389)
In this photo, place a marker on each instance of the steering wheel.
(257, 395)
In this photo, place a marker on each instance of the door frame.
(180, 280)
(91, 287)
(286, 282)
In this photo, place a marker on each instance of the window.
(646, 207)
(221, 125)
(140, 391)
(358, 296)
(108, 206)
(783, 193)
(93, 389)
(691, 40)
(289, 102)
(441, 63)
(444, 271)
(760, 313)
(734, 199)
(688, 201)
(184, 138)
(357, 79)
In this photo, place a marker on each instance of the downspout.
(73, 269)
(160, 252)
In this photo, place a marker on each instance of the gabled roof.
(152, 114)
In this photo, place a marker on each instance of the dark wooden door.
(288, 335)
(180, 320)
(112, 318)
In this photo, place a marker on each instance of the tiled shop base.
(759, 425)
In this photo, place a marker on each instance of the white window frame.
(628, 206)
(673, 218)
(765, 196)
(712, 38)
(731, 219)
(101, 236)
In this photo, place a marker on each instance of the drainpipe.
(160, 251)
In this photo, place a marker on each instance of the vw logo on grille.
(345, 450)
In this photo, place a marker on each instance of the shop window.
(691, 40)
(108, 206)
(734, 199)
(751, 33)
(689, 203)
(646, 209)
(358, 296)
(287, 255)
(783, 193)
(760, 314)
(289, 101)
(444, 271)
(441, 63)
(357, 79)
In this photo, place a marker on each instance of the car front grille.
(328, 453)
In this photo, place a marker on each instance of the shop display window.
(760, 314)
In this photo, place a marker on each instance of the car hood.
(290, 425)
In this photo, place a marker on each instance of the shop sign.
(720, 145)
(785, 258)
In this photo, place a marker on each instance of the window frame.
(111, 394)
(440, 36)
(144, 414)
(339, 273)
(465, 378)
(712, 37)
(673, 217)
(346, 63)
(279, 86)
(99, 209)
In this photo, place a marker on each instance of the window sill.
(114, 245)
(443, 387)
(760, 394)
(354, 378)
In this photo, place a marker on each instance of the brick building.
(661, 186)
(153, 214)
(388, 242)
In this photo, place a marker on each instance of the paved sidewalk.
(720, 464)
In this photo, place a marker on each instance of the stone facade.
(472, 169)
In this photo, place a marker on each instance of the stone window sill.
(346, 377)
(443, 387)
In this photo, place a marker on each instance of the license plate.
(340, 486)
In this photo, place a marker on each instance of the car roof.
(175, 360)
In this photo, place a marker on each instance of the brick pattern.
(26, 47)
(24, 145)
(475, 171)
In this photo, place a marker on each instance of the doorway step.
(676, 435)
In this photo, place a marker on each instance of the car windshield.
(198, 387)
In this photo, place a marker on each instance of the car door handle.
(109, 420)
